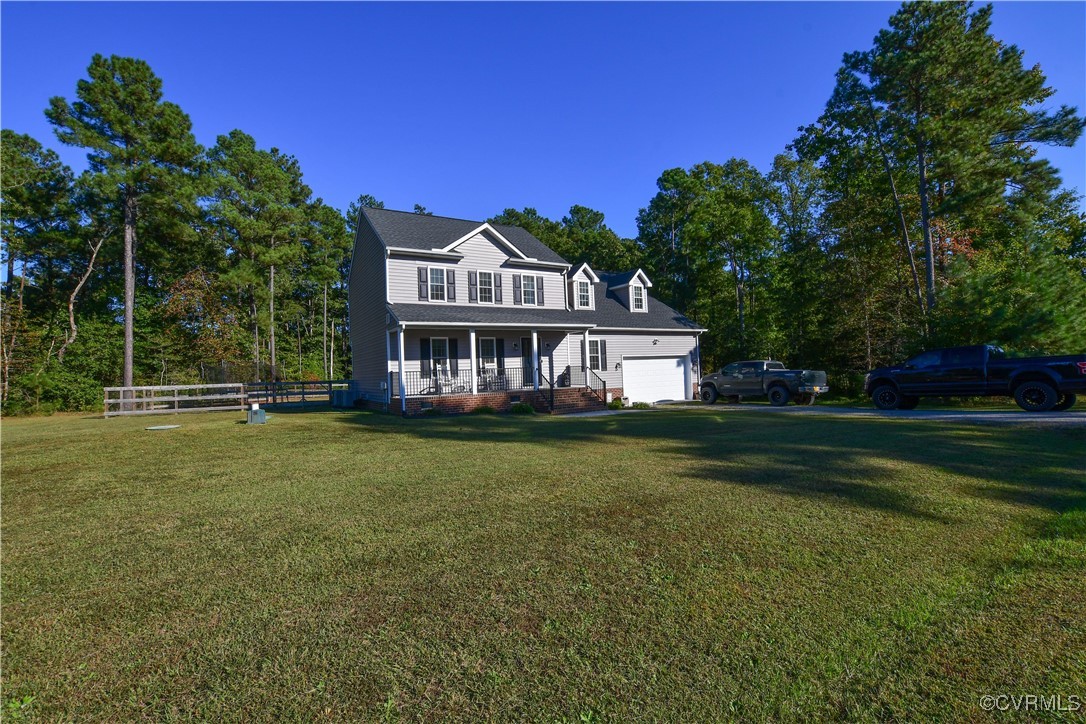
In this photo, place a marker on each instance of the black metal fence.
(418, 384)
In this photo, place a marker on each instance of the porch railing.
(417, 384)
(583, 377)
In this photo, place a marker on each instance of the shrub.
(483, 410)
(432, 412)
(615, 404)
(641, 406)
(522, 408)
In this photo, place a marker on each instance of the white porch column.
(474, 363)
(388, 355)
(535, 360)
(585, 358)
(403, 387)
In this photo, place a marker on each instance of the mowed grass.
(670, 565)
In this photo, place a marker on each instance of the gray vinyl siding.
(638, 344)
(366, 300)
(480, 254)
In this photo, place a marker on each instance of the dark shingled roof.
(421, 231)
(610, 311)
(469, 314)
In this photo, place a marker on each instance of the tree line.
(913, 212)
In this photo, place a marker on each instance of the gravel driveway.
(1071, 418)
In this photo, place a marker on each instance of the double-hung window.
(593, 354)
(638, 298)
(437, 284)
(583, 299)
(439, 354)
(528, 285)
(488, 353)
(486, 288)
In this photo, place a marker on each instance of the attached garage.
(654, 379)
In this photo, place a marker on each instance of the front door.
(526, 361)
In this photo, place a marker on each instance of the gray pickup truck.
(763, 378)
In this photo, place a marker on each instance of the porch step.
(575, 399)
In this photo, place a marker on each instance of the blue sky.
(472, 108)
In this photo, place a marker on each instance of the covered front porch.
(497, 365)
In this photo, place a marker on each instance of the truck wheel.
(1065, 403)
(1036, 396)
(708, 394)
(908, 402)
(886, 397)
(779, 396)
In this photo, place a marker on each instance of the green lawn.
(671, 565)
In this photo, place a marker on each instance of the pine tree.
(141, 151)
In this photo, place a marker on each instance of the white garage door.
(653, 380)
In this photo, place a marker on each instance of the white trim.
(500, 325)
(399, 370)
(644, 278)
(478, 286)
(536, 262)
(535, 359)
(688, 370)
(474, 363)
(430, 285)
(523, 289)
(588, 272)
(599, 356)
(495, 341)
(388, 353)
(577, 294)
(480, 229)
(402, 251)
(644, 299)
(693, 330)
(448, 357)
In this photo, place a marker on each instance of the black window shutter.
(516, 289)
(584, 355)
(603, 355)
(500, 343)
(424, 285)
(450, 284)
(473, 286)
(539, 291)
(424, 356)
(497, 288)
(454, 356)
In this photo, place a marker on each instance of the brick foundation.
(460, 404)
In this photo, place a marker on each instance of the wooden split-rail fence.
(172, 399)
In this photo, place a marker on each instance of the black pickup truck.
(1037, 384)
(763, 378)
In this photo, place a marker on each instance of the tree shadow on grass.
(861, 463)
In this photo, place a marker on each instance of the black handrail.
(598, 386)
(545, 385)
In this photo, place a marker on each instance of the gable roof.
(583, 266)
(408, 230)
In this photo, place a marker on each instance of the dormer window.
(584, 295)
(637, 298)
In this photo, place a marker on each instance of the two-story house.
(457, 314)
